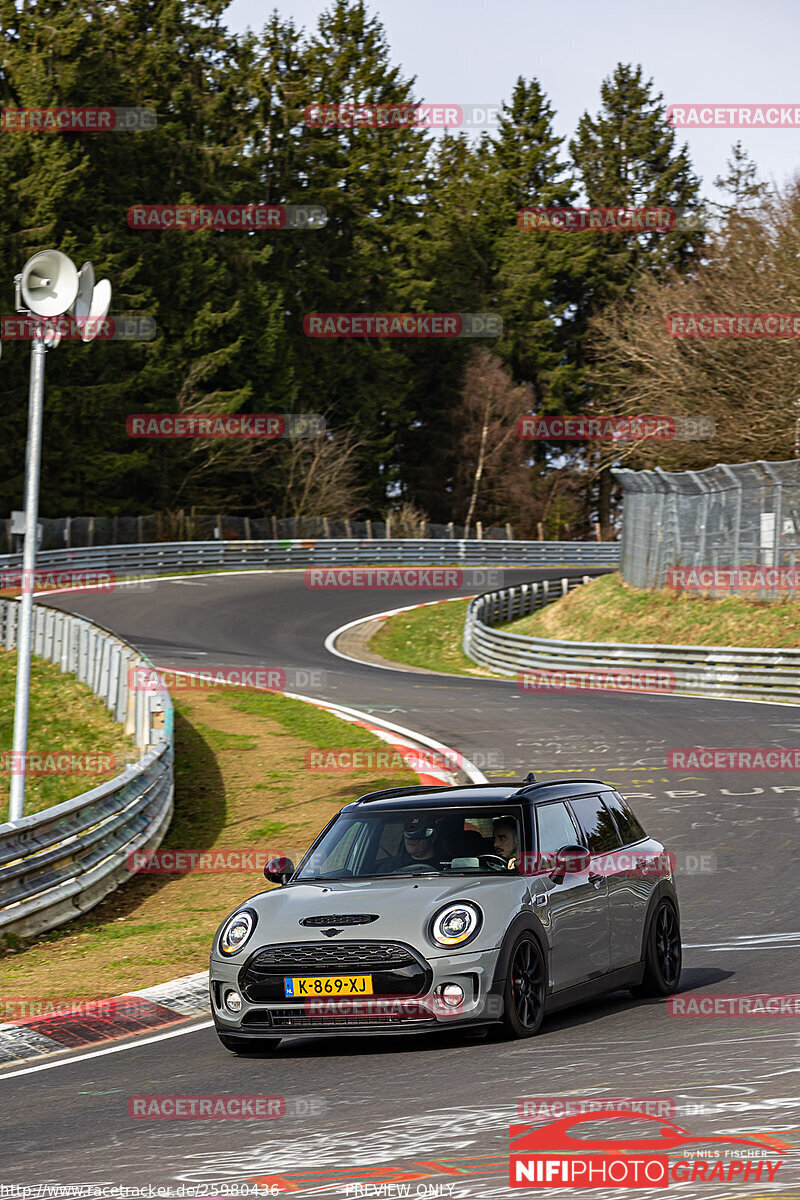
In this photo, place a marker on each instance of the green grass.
(314, 725)
(609, 610)
(64, 716)
(427, 637)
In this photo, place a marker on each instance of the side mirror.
(571, 860)
(279, 870)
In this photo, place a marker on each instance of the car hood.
(403, 907)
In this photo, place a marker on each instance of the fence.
(162, 558)
(61, 862)
(721, 672)
(66, 532)
(724, 516)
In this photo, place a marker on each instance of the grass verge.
(610, 610)
(240, 781)
(64, 716)
(427, 637)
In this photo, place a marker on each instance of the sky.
(696, 51)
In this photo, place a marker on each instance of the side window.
(554, 826)
(596, 824)
(627, 824)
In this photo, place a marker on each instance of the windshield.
(432, 841)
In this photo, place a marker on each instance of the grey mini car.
(419, 908)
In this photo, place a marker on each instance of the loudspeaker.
(83, 300)
(49, 283)
(98, 308)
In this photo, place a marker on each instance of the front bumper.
(473, 971)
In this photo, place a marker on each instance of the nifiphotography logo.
(552, 1156)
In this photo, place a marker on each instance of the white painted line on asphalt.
(63, 1062)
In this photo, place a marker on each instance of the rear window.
(627, 824)
(596, 824)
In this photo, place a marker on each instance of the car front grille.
(394, 969)
(331, 957)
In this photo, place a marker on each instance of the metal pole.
(16, 804)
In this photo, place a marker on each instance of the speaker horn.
(98, 309)
(49, 283)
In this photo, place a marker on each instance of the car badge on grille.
(330, 932)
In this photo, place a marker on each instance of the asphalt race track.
(382, 1101)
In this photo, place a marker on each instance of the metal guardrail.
(59, 863)
(722, 672)
(159, 558)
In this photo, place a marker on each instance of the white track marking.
(63, 1062)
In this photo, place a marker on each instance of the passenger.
(504, 831)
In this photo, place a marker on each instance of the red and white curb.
(65, 1026)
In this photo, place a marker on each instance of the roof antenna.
(530, 777)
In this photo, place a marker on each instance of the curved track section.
(383, 1100)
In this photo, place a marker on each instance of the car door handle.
(596, 879)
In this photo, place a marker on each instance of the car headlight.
(236, 931)
(456, 924)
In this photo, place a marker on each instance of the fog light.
(233, 1002)
(450, 993)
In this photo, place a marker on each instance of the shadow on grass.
(200, 809)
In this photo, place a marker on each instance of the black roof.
(477, 793)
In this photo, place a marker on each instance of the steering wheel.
(493, 860)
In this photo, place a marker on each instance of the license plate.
(328, 985)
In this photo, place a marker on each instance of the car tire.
(663, 954)
(525, 988)
(238, 1045)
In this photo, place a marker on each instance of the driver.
(420, 845)
(504, 831)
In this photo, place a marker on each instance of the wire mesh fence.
(59, 533)
(728, 528)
